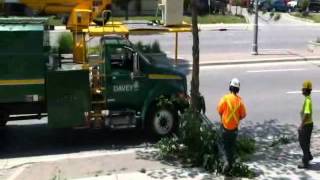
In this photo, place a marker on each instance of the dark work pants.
(304, 140)
(228, 144)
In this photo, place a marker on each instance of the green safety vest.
(307, 109)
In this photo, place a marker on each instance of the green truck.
(120, 88)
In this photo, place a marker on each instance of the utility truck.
(120, 88)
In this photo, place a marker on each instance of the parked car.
(314, 5)
(218, 6)
(292, 5)
(272, 5)
(242, 3)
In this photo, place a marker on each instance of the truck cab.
(134, 85)
(125, 90)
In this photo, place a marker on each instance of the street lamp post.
(255, 31)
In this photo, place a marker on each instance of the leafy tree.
(238, 3)
(124, 5)
(304, 7)
(138, 6)
(65, 43)
(186, 5)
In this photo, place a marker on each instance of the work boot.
(226, 168)
(303, 166)
(310, 157)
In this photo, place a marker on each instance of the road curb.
(255, 61)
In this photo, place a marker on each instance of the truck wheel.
(164, 121)
(3, 118)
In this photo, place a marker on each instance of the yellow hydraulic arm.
(66, 7)
(81, 14)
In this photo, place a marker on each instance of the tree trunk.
(195, 94)
(138, 7)
(127, 11)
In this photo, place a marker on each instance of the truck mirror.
(136, 71)
(135, 63)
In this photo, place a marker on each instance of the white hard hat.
(235, 82)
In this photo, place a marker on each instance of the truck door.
(126, 90)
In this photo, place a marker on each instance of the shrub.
(282, 140)
(139, 45)
(198, 143)
(303, 6)
(65, 43)
(155, 47)
(148, 48)
(94, 50)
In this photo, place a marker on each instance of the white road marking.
(274, 70)
(299, 92)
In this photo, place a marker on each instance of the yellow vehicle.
(53, 7)
(79, 15)
(90, 17)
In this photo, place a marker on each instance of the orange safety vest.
(231, 110)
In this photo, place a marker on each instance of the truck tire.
(163, 121)
(3, 118)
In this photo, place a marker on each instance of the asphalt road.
(270, 91)
(287, 34)
(33, 138)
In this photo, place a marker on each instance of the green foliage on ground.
(65, 43)
(282, 140)
(198, 144)
(245, 147)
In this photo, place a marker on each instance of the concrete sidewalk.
(269, 162)
(278, 162)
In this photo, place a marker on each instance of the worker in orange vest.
(231, 110)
